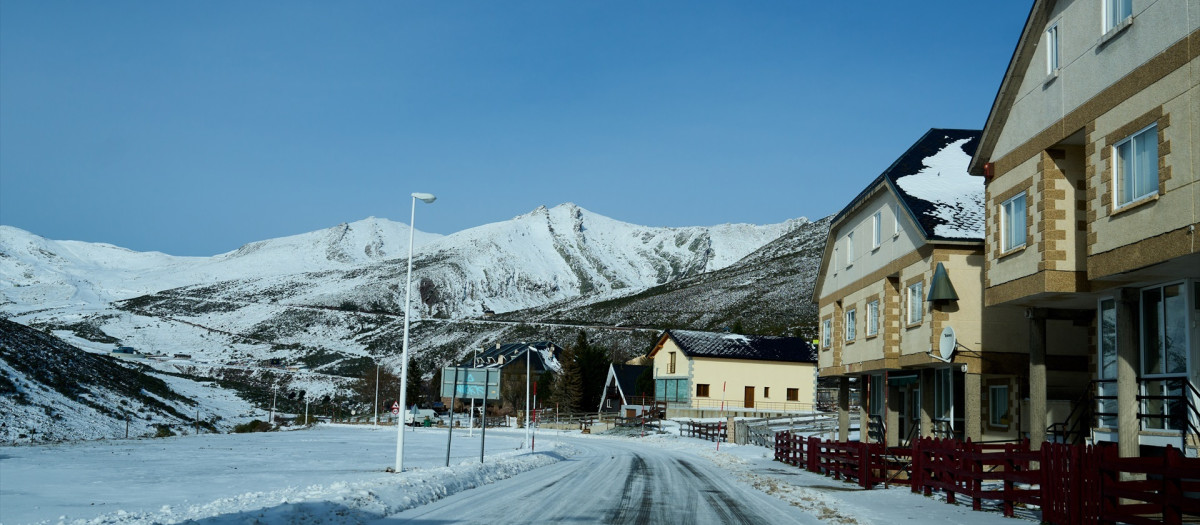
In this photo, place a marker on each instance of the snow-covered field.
(336, 474)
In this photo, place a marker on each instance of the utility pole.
(274, 392)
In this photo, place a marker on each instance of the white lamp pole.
(427, 198)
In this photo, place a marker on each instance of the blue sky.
(192, 128)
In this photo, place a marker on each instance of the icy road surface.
(614, 481)
(334, 474)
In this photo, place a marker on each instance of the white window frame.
(851, 329)
(915, 313)
(828, 332)
(994, 416)
(1112, 18)
(877, 230)
(1053, 50)
(873, 318)
(1120, 196)
(1007, 216)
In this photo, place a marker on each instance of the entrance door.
(749, 397)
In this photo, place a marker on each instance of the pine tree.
(569, 384)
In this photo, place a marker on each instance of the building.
(620, 390)
(900, 306)
(698, 373)
(512, 359)
(1090, 160)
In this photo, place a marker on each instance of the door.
(749, 397)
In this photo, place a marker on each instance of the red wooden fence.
(1073, 484)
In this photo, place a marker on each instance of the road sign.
(395, 408)
(473, 383)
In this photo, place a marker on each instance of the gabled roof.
(1022, 55)
(931, 181)
(627, 376)
(722, 345)
(544, 357)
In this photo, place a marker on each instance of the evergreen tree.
(593, 365)
(545, 388)
(413, 390)
(569, 384)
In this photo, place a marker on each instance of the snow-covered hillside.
(332, 299)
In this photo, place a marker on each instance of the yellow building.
(1090, 157)
(698, 373)
(900, 302)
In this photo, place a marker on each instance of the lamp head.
(424, 197)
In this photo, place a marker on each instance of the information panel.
(473, 383)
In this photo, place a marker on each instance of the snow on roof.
(954, 197)
(736, 346)
(932, 182)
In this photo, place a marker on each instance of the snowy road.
(612, 481)
(334, 474)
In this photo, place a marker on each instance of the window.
(793, 394)
(877, 230)
(608, 403)
(915, 304)
(896, 233)
(1052, 52)
(872, 318)
(827, 331)
(1012, 223)
(766, 391)
(849, 248)
(1115, 12)
(998, 405)
(1106, 409)
(1135, 165)
(670, 362)
(877, 407)
(1164, 344)
(701, 390)
(850, 317)
(675, 390)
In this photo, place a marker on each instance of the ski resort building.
(706, 374)
(1090, 155)
(900, 303)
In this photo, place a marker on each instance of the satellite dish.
(947, 343)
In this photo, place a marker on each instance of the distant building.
(126, 352)
(620, 388)
(705, 371)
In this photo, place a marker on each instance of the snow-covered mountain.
(331, 299)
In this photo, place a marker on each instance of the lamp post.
(376, 393)
(427, 198)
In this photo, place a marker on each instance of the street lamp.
(426, 198)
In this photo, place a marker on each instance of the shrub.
(257, 425)
(163, 431)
